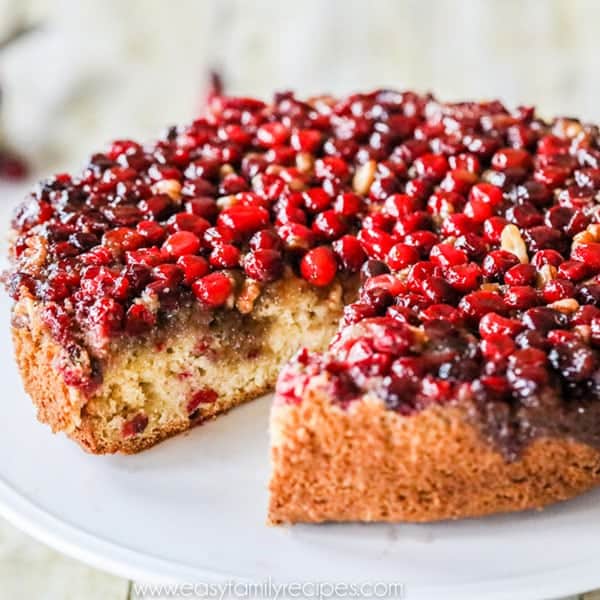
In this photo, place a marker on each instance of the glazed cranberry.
(156, 207)
(306, 140)
(458, 181)
(152, 231)
(296, 236)
(319, 266)
(497, 347)
(376, 243)
(527, 371)
(316, 200)
(265, 239)
(331, 167)
(415, 221)
(524, 215)
(493, 324)
(558, 289)
(438, 290)
(401, 256)
(422, 240)
(202, 206)
(372, 268)
(521, 297)
(243, 220)
(263, 265)
(457, 224)
(510, 158)
(573, 270)
(574, 360)
(349, 252)
(431, 166)
(348, 204)
(213, 290)
(464, 278)
(521, 274)
(473, 245)
(588, 253)
(182, 242)
(272, 134)
(353, 313)
(543, 319)
(400, 205)
(385, 281)
(477, 304)
(187, 222)
(546, 257)
(446, 255)
(484, 199)
(542, 238)
(589, 294)
(497, 262)
(224, 256)
(492, 229)
(139, 319)
(329, 225)
(193, 267)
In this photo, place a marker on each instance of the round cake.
(435, 263)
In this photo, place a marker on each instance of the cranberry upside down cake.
(434, 268)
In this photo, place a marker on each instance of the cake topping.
(475, 230)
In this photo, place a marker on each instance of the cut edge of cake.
(194, 370)
(367, 463)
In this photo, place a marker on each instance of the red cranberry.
(521, 297)
(525, 274)
(263, 265)
(464, 278)
(213, 290)
(265, 240)
(349, 252)
(318, 266)
(224, 256)
(182, 242)
(497, 262)
(446, 255)
(193, 267)
(493, 324)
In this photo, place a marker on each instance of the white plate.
(193, 509)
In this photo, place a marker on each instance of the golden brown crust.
(371, 464)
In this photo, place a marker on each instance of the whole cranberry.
(319, 266)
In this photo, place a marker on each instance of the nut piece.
(171, 187)
(363, 177)
(305, 162)
(248, 294)
(511, 241)
(545, 274)
(566, 305)
(589, 236)
(584, 332)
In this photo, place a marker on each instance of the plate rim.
(93, 550)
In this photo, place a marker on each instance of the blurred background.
(91, 70)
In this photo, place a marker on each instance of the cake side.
(367, 463)
(203, 365)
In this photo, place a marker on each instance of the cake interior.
(199, 365)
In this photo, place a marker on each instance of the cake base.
(201, 365)
(367, 463)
